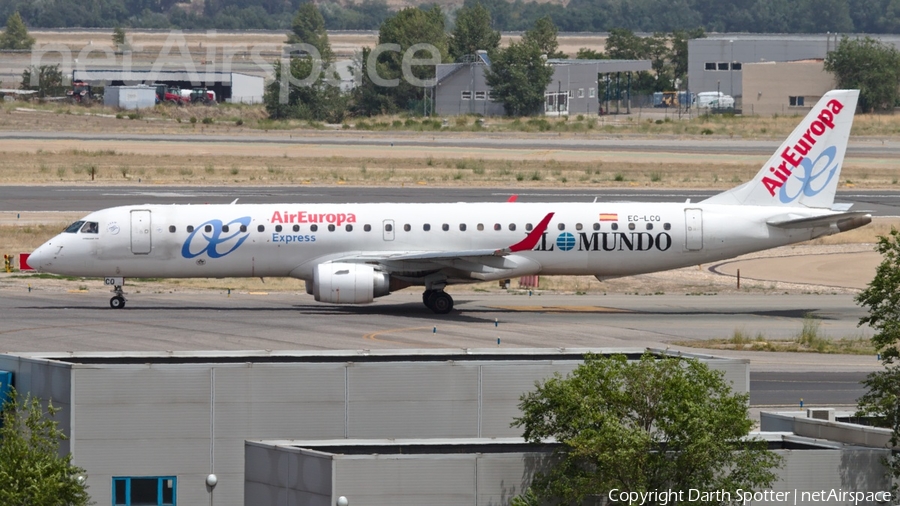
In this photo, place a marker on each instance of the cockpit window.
(90, 227)
(74, 228)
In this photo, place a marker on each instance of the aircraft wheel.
(426, 298)
(441, 302)
(117, 302)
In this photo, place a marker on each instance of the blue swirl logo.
(808, 178)
(214, 243)
(565, 241)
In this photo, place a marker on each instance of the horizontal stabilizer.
(842, 221)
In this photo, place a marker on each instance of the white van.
(714, 100)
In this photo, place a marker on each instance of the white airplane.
(351, 253)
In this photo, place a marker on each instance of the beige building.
(786, 88)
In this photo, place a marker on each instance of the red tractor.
(170, 95)
(80, 93)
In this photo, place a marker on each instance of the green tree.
(118, 39)
(543, 36)
(473, 32)
(679, 53)
(881, 298)
(16, 35)
(412, 26)
(308, 27)
(518, 77)
(299, 95)
(869, 65)
(651, 424)
(589, 54)
(31, 469)
(47, 80)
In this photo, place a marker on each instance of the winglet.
(512, 198)
(531, 240)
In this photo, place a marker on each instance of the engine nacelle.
(343, 283)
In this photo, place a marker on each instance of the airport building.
(767, 74)
(577, 87)
(155, 427)
(232, 87)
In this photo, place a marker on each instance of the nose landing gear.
(438, 301)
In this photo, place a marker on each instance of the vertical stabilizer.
(806, 168)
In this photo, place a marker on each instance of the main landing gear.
(118, 300)
(438, 301)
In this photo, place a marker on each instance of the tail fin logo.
(796, 156)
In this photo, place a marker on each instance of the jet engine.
(343, 283)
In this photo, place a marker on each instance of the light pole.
(731, 67)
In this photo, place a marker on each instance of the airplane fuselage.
(601, 239)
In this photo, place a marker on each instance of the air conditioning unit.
(826, 414)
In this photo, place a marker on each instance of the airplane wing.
(476, 264)
(843, 221)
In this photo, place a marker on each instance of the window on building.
(722, 66)
(580, 92)
(480, 95)
(571, 93)
(736, 65)
(490, 95)
(158, 491)
(796, 101)
(466, 95)
(710, 65)
(592, 93)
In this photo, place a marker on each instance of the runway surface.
(86, 198)
(45, 320)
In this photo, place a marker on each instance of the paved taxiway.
(85, 198)
(44, 320)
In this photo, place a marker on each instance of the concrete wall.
(282, 473)
(770, 85)
(140, 418)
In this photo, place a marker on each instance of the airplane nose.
(40, 258)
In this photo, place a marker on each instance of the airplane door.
(388, 230)
(140, 232)
(693, 227)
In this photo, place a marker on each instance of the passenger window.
(313, 228)
(578, 226)
(512, 227)
(407, 227)
(528, 227)
(445, 227)
(261, 228)
(480, 227)
(631, 226)
(190, 228)
(225, 228)
(90, 227)
(596, 226)
(278, 228)
(296, 228)
(74, 228)
(243, 228)
(462, 227)
(331, 227)
(426, 227)
(208, 228)
(497, 226)
(367, 228)
(666, 226)
(388, 227)
(172, 229)
(348, 227)
(561, 226)
(649, 226)
(615, 226)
